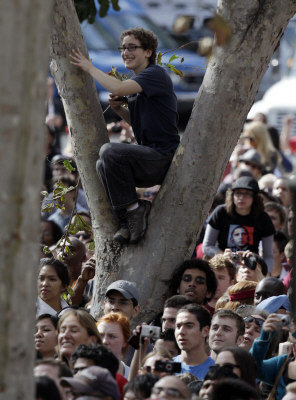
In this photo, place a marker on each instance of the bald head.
(268, 287)
(170, 387)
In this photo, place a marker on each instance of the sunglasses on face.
(226, 365)
(199, 280)
(258, 321)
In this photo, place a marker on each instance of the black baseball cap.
(246, 182)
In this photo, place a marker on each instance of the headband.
(246, 294)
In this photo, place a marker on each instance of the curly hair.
(257, 205)
(147, 39)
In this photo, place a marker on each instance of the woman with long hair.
(53, 280)
(241, 223)
(114, 330)
(243, 364)
(256, 136)
(75, 327)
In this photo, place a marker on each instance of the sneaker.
(122, 236)
(137, 221)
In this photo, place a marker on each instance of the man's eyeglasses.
(249, 164)
(258, 321)
(172, 392)
(199, 280)
(120, 302)
(130, 48)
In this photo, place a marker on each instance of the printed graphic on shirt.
(240, 237)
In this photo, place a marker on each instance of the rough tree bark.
(24, 29)
(223, 101)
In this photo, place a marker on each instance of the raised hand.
(78, 59)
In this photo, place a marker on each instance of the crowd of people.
(224, 330)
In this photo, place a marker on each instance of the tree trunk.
(24, 30)
(178, 213)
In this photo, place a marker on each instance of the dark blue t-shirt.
(153, 112)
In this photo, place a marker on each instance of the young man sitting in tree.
(152, 113)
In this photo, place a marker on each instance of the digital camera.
(151, 332)
(285, 319)
(250, 261)
(167, 366)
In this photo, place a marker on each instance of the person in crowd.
(277, 214)
(288, 254)
(241, 223)
(227, 329)
(256, 136)
(266, 183)
(95, 382)
(250, 266)
(96, 354)
(195, 280)
(122, 296)
(282, 192)
(241, 293)
(214, 375)
(268, 287)
(169, 388)
(168, 341)
(251, 160)
(46, 389)
(253, 319)
(84, 284)
(114, 330)
(85, 356)
(51, 233)
(281, 267)
(187, 378)
(53, 369)
(282, 366)
(170, 309)
(225, 272)
(74, 257)
(156, 133)
(241, 361)
(62, 215)
(46, 336)
(233, 389)
(140, 387)
(53, 280)
(149, 363)
(192, 329)
(75, 327)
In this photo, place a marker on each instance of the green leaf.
(104, 7)
(70, 291)
(177, 71)
(159, 58)
(173, 57)
(69, 166)
(91, 246)
(46, 250)
(73, 229)
(48, 207)
(115, 5)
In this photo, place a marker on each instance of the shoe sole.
(121, 240)
(146, 213)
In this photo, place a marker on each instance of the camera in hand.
(167, 366)
(285, 319)
(151, 332)
(250, 261)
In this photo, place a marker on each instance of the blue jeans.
(123, 167)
